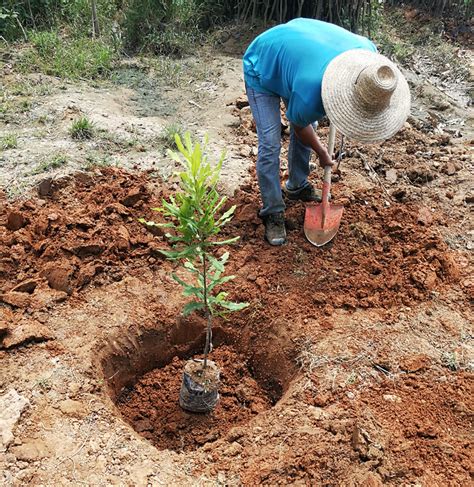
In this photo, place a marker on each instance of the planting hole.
(144, 373)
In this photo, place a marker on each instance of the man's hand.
(325, 158)
(308, 136)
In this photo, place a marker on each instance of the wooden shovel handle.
(327, 174)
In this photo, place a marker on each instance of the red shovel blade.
(320, 226)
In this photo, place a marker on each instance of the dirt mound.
(86, 230)
(85, 226)
(381, 257)
(89, 227)
(386, 435)
(151, 406)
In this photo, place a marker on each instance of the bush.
(163, 26)
(74, 58)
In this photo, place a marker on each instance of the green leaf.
(217, 264)
(226, 242)
(231, 306)
(219, 281)
(227, 215)
(192, 306)
(147, 223)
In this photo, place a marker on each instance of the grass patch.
(82, 129)
(95, 161)
(55, 162)
(405, 41)
(71, 58)
(167, 135)
(9, 141)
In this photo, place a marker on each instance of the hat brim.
(347, 112)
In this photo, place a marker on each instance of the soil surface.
(353, 364)
(152, 408)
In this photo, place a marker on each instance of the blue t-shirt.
(289, 60)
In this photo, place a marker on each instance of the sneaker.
(308, 193)
(275, 232)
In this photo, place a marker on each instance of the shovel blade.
(318, 232)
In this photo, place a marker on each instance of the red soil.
(152, 404)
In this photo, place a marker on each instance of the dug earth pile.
(352, 362)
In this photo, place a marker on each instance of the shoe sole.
(276, 242)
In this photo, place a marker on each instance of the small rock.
(86, 274)
(425, 217)
(84, 250)
(235, 434)
(27, 286)
(427, 432)
(391, 175)
(25, 332)
(241, 102)
(123, 239)
(6, 317)
(449, 169)
(72, 408)
(247, 213)
(133, 197)
(245, 151)
(74, 387)
(59, 276)
(318, 413)
(45, 187)
(233, 449)
(415, 363)
(143, 425)
(252, 277)
(117, 208)
(420, 174)
(391, 398)
(12, 405)
(15, 221)
(45, 297)
(31, 450)
(16, 299)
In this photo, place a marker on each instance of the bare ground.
(364, 348)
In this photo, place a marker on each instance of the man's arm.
(308, 136)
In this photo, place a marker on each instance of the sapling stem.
(207, 310)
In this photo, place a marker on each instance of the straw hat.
(365, 95)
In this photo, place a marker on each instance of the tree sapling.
(195, 217)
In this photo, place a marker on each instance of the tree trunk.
(95, 20)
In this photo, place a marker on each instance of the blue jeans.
(266, 113)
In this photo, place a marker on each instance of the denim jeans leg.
(266, 113)
(298, 162)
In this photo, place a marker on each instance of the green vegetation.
(170, 27)
(77, 58)
(57, 161)
(9, 141)
(62, 41)
(454, 8)
(195, 217)
(96, 161)
(450, 360)
(400, 39)
(82, 129)
(168, 135)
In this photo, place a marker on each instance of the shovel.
(321, 221)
